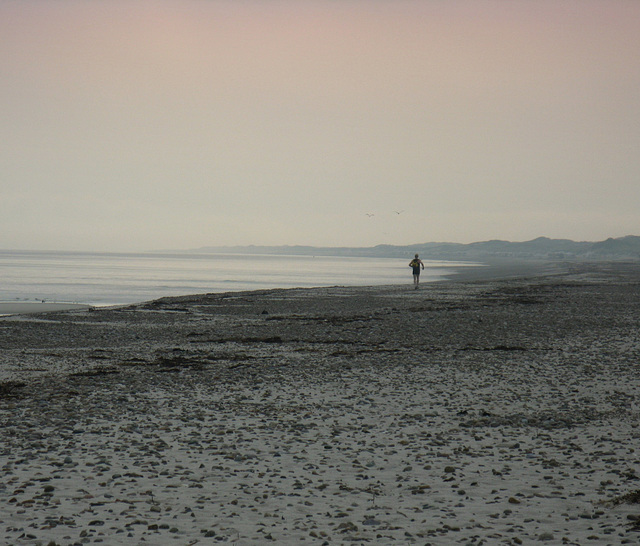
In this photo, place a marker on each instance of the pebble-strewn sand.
(486, 412)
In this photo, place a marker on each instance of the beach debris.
(11, 388)
(633, 497)
(96, 372)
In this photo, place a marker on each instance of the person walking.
(416, 264)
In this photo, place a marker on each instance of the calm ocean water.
(113, 279)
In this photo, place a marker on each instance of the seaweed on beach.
(494, 348)
(9, 388)
(178, 362)
(96, 372)
(632, 497)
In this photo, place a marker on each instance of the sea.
(104, 279)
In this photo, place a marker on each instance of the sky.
(150, 125)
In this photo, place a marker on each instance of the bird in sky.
(370, 214)
(398, 211)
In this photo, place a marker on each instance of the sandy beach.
(472, 411)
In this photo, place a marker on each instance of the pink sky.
(177, 124)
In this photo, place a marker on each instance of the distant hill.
(622, 248)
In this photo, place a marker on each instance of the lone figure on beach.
(416, 264)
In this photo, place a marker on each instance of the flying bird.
(398, 211)
(369, 214)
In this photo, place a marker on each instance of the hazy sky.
(177, 124)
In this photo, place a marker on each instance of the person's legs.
(416, 280)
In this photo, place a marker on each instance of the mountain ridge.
(621, 248)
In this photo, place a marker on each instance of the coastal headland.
(495, 409)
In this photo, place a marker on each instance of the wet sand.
(28, 308)
(467, 412)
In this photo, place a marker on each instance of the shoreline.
(27, 308)
(508, 268)
(501, 269)
(485, 411)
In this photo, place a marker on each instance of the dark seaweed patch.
(9, 388)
